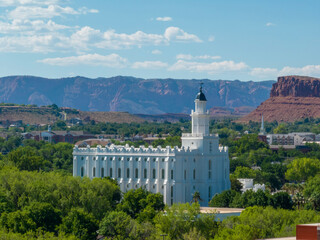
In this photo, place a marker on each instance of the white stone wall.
(190, 170)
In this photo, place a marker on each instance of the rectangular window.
(171, 195)
(102, 172)
(172, 174)
(185, 174)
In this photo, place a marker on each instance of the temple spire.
(262, 131)
(200, 96)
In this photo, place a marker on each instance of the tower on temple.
(262, 130)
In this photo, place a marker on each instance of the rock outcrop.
(292, 98)
(296, 86)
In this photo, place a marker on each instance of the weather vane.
(201, 83)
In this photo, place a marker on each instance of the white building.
(199, 165)
(247, 184)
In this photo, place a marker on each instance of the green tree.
(239, 232)
(224, 199)
(282, 200)
(244, 172)
(196, 197)
(180, 219)
(44, 215)
(27, 158)
(117, 225)
(235, 184)
(81, 224)
(18, 222)
(281, 129)
(140, 201)
(301, 169)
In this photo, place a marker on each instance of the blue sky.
(246, 40)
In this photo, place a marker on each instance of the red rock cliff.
(296, 86)
(292, 98)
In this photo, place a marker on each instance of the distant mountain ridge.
(129, 94)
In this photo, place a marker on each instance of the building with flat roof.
(199, 165)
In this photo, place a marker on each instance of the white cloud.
(6, 3)
(38, 43)
(29, 27)
(309, 70)
(88, 37)
(83, 38)
(190, 57)
(37, 12)
(211, 38)
(269, 24)
(264, 72)
(114, 40)
(211, 68)
(27, 24)
(156, 52)
(149, 65)
(164, 19)
(112, 60)
(177, 34)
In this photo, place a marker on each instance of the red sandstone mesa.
(291, 98)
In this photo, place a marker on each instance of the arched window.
(128, 173)
(82, 171)
(110, 172)
(171, 173)
(194, 174)
(94, 172)
(145, 173)
(102, 172)
(119, 172)
(171, 195)
(137, 173)
(153, 173)
(162, 174)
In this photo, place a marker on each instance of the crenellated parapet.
(116, 149)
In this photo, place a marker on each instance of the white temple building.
(199, 165)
